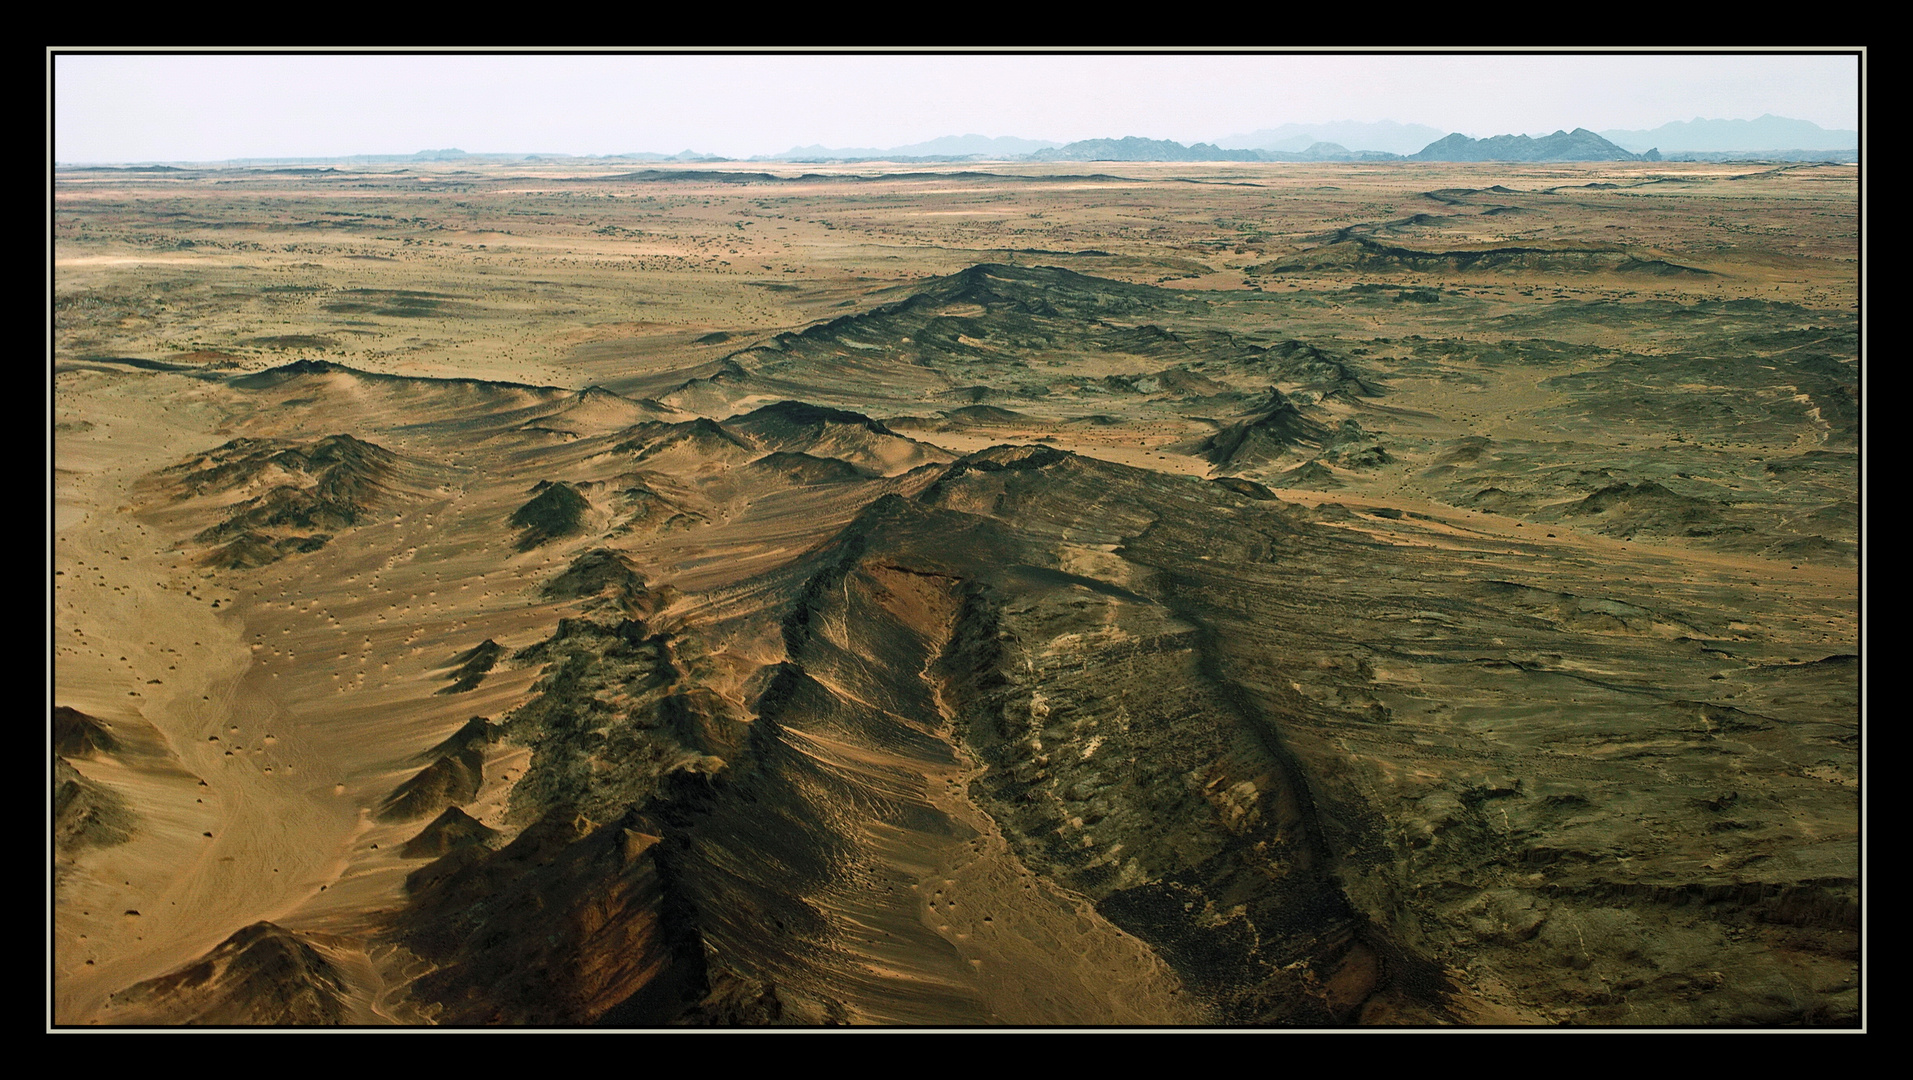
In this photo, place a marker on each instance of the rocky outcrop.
(262, 975)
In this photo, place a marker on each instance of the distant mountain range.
(1132, 148)
(1385, 136)
(1577, 145)
(1769, 138)
(1351, 140)
(1727, 136)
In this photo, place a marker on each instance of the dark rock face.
(450, 830)
(1646, 507)
(470, 667)
(557, 511)
(606, 578)
(261, 976)
(75, 734)
(571, 923)
(85, 813)
(1266, 438)
(307, 493)
(1367, 254)
(450, 780)
(803, 469)
(788, 419)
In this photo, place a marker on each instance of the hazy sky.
(171, 107)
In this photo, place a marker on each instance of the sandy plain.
(1516, 679)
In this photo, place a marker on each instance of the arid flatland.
(1124, 594)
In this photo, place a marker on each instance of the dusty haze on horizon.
(173, 107)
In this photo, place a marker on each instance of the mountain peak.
(1577, 145)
